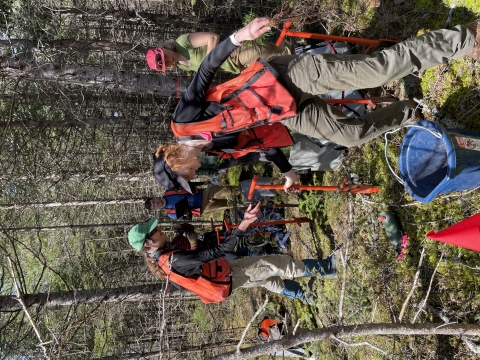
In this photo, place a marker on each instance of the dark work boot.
(293, 290)
(325, 267)
(474, 27)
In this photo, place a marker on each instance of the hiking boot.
(474, 27)
(336, 259)
(293, 290)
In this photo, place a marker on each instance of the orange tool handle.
(372, 43)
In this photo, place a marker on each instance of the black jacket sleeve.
(192, 106)
(189, 262)
(276, 156)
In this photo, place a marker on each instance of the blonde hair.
(176, 156)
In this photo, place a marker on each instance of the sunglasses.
(151, 233)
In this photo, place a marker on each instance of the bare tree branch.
(472, 345)
(25, 310)
(430, 286)
(344, 332)
(250, 323)
(414, 285)
(365, 343)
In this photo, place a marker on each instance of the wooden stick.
(414, 285)
(344, 262)
(422, 304)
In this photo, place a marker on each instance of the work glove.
(192, 238)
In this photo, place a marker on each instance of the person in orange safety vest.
(209, 275)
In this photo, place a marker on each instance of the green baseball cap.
(138, 234)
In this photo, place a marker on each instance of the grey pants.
(306, 76)
(265, 271)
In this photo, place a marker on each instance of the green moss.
(201, 318)
(233, 175)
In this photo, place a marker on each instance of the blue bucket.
(435, 161)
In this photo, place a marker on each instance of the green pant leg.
(320, 120)
(319, 74)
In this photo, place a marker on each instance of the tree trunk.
(127, 16)
(92, 226)
(184, 350)
(68, 298)
(110, 78)
(81, 122)
(68, 203)
(67, 44)
(343, 332)
(90, 176)
(56, 98)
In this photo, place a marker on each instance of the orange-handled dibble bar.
(295, 220)
(373, 43)
(344, 187)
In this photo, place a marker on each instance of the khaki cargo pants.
(215, 198)
(265, 271)
(306, 76)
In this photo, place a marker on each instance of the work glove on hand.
(192, 238)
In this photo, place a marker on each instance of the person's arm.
(191, 106)
(208, 39)
(182, 261)
(276, 156)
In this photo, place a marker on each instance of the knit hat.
(155, 59)
(138, 234)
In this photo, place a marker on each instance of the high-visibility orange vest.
(253, 98)
(258, 138)
(214, 285)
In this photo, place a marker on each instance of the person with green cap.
(209, 275)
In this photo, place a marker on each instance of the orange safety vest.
(258, 138)
(214, 285)
(253, 98)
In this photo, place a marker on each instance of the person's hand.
(291, 179)
(192, 238)
(253, 30)
(251, 214)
